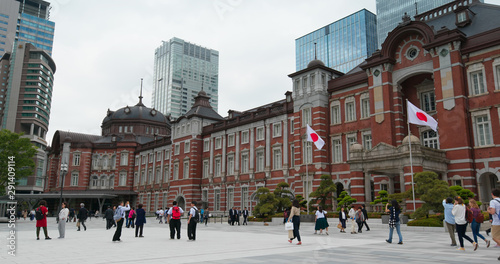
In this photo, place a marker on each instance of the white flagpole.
(411, 160)
(307, 176)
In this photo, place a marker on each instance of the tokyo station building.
(445, 61)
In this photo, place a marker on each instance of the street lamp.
(64, 171)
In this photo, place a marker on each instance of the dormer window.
(463, 16)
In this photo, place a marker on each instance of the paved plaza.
(221, 243)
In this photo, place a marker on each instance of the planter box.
(307, 218)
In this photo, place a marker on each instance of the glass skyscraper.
(341, 45)
(181, 70)
(390, 13)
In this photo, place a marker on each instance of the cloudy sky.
(103, 48)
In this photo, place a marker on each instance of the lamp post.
(64, 171)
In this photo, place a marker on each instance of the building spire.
(140, 97)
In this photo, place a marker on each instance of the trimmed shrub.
(431, 221)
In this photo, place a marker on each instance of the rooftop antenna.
(315, 51)
(416, 8)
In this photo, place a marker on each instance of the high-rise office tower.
(181, 70)
(26, 21)
(390, 12)
(341, 45)
(27, 77)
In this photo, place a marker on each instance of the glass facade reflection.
(341, 45)
(390, 13)
(181, 70)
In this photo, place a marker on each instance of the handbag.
(288, 226)
(339, 226)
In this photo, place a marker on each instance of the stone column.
(358, 186)
(368, 187)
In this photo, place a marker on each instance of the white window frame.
(158, 176)
(206, 145)
(151, 158)
(176, 170)
(217, 167)
(260, 160)
(350, 139)
(217, 199)
(350, 109)
(74, 178)
(292, 156)
(476, 126)
(306, 117)
(429, 142)
(245, 162)
(472, 70)
(367, 140)
(245, 137)
(364, 102)
(277, 158)
(218, 143)
(167, 154)
(335, 114)
(150, 176)
(124, 159)
(177, 149)
(77, 156)
(185, 169)
(230, 164)
(432, 103)
(260, 134)
(277, 130)
(308, 152)
(122, 181)
(496, 73)
(166, 175)
(187, 147)
(337, 150)
(230, 140)
(158, 156)
(206, 168)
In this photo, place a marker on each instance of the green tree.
(383, 198)
(323, 195)
(302, 201)
(431, 190)
(465, 194)
(345, 200)
(267, 204)
(283, 195)
(15, 150)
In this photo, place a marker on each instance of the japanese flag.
(313, 137)
(419, 117)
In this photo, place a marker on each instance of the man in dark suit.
(245, 216)
(82, 216)
(109, 217)
(238, 214)
(231, 216)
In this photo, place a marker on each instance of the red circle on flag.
(421, 116)
(314, 137)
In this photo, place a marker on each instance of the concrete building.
(181, 70)
(446, 62)
(341, 45)
(25, 103)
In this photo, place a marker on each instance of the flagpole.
(307, 177)
(411, 160)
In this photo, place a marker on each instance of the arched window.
(94, 182)
(103, 182)
(111, 182)
(105, 162)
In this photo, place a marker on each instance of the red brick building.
(445, 61)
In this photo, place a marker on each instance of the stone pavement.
(221, 243)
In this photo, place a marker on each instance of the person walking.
(360, 218)
(342, 219)
(459, 211)
(192, 221)
(140, 221)
(41, 219)
(494, 210)
(207, 215)
(245, 216)
(365, 218)
(295, 219)
(449, 219)
(174, 220)
(352, 217)
(119, 216)
(108, 215)
(477, 220)
(320, 220)
(63, 216)
(394, 222)
(231, 216)
(82, 216)
(131, 217)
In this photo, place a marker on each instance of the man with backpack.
(82, 216)
(120, 213)
(194, 217)
(494, 210)
(174, 220)
(41, 220)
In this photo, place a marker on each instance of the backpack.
(38, 214)
(176, 213)
(469, 216)
(118, 214)
(196, 216)
(480, 217)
